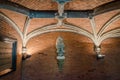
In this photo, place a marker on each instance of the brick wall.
(7, 30)
(80, 62)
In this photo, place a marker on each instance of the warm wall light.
(100, 56)
(25, 54)
(98, 52)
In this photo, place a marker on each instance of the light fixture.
(25, 55)
(97, 49)
(100, 56)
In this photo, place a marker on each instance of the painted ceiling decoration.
(62, 25)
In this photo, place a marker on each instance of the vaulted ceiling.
(51, 5)
(96, 19)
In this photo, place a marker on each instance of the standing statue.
(60, 52)
(60, 46)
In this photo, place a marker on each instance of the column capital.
(25, 55)
(97, 49)
(24, 50)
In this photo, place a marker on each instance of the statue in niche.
(60, 51)
(60, 46)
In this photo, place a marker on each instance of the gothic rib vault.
(97, 22)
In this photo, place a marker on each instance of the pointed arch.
(80, 30)
(110, 34)
(54, 28)
(12, 23)
(106, 25)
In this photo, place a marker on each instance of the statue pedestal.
(60, 62)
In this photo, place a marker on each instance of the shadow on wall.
(80, 63)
